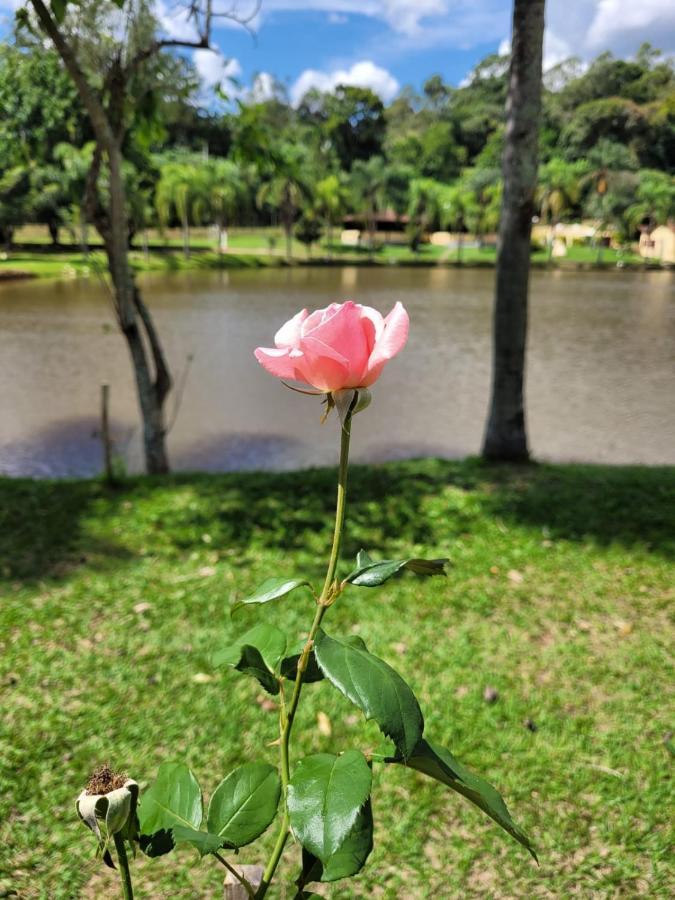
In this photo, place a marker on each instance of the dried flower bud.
(107, 806)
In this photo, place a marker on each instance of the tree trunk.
(130, 307)
(287, 215)
(505, 437)
(6, 237)
(53, 228)
(128, 303)
(186, 238)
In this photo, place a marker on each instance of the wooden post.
(234, 889)
(105, 433)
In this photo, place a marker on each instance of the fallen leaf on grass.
(323, 724)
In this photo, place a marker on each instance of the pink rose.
(343, 346)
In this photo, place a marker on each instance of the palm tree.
(225, 187)
(286, 189)
(74, 164)
(655, 203)
(369, 183)
(559, 190)
(181, 190)
(459, 210)
(486, 187)
(506, 436)
(424, 206)
(330, 199)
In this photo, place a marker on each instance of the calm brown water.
(601, 377)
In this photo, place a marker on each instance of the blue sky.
(288, 43)
(386, 44)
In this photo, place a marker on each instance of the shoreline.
(66, 263)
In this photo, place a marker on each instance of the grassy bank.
(266, 247)
(557, 599)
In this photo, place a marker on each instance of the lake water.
(600, 383)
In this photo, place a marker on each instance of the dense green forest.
(607, 149)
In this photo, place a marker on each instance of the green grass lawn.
(266, 246)
(558, 599)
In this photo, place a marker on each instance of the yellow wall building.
(659, 243)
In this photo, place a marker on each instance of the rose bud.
(108, 806)
(344, 346)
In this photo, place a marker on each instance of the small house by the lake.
(659, 243)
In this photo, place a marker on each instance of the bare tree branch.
(204, 31)
(162, 383)
(92, 103)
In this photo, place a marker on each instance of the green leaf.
(289, 667)
(325, 796)
(374, 687)
(174, 798)
(363, 559)
(244, 804)
(440, 764)
(371, 573)
(272, 589)
(59, 9)
(203, 841)
(349, 858)
(156, 844)
(258, 652)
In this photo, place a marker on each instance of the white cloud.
(174, 20)
(213, 68)
(555, 49)
(361, 74)
(504, 47)
(617, 20)
(264, 88)
(584, 26)
(337, 19)
(403, 16)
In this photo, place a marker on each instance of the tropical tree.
(560, 184)
(330, 201)
(506, 437)
(486, 186)
(74, 165)
(459, 209)
(611, 205)
(286, 189)
(225, 189)
(109, 56)
(181, 192)
(14, 187)
(424, 207)
(369, 183)
(308, 229)
(655, 199)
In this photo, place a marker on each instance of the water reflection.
(600, 387)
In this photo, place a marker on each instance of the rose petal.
(372, 324)
(289, 334)
(342, 330)
(279, 363)
(392, 340)
(322, 367)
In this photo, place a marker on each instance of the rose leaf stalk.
(326, 599)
